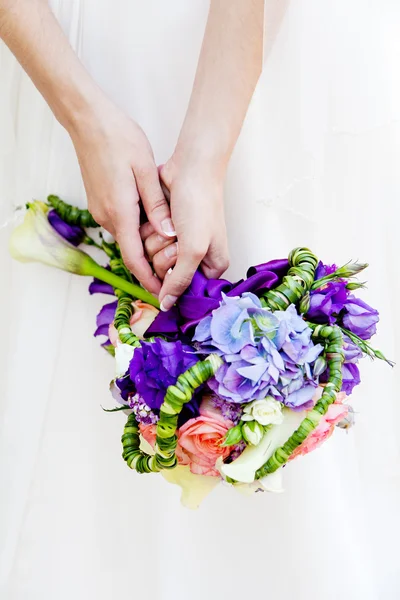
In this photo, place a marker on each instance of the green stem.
(121, 284)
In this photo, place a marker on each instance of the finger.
(216, 261)
(133, 252)
(165, 260)
(155, 243)
(146, 230)
(189, 258)
(156, 206)
(164, 187)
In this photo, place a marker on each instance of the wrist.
(76, 108)
(202, 151)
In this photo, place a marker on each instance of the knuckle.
(112, 212)
(181, 283)
(222, 264)
(158, 204)
(144, 171)
(196, 251)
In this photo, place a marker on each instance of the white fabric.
(317, 164)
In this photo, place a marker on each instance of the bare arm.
(116, 160)
(229, 67)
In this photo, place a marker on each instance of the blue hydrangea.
(264, 353)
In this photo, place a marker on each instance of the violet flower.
(327, 301)
(360, 318)
(157, 365)
(104, 319)
(72, 233)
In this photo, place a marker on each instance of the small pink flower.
(141, 319)
(335, 413)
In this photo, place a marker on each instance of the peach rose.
(148, 432)
(141, 319)
(200, 440)
(335, 413)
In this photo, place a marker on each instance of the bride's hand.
(118, 167)
(196, 198)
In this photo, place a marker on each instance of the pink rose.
(200, 440)
(141, 319)
(335, 413)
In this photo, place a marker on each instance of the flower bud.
(350, 269)
(233, 437)
(354, 285)
(319, 366)
(252, 432)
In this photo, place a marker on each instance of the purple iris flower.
(360, 318)
(72, 233)
(204, 295)
(157, 365)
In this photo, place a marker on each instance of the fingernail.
(171, 250)
(168, 302)
(168, 227)
(169, 271)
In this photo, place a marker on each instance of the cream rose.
(265, 412)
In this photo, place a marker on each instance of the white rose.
(265, 412)
(123, 356)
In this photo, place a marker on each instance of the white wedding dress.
(317, 164)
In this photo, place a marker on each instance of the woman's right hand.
(118, 168)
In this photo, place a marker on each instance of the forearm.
(34, 36)
(229, 66)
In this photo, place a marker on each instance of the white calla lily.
(35, 240)
(272, 482)
(244, 468)
(194, 487)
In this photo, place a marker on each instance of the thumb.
(154, 202)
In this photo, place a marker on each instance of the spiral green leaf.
(296, 283)
(72, 214)
(122, 319)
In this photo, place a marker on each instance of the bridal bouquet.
(237, 379)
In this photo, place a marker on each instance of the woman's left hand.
(197, 209)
